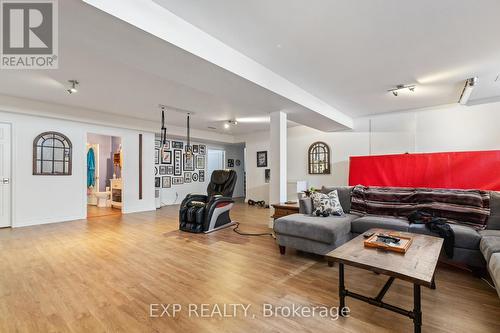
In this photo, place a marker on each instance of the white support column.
(278, 158)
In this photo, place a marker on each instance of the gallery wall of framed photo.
(178, 173)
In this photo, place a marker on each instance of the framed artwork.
(163, 169)
(156, 171)
(194, 177)
(202, 149)
(196, 149)
(267, 175)
(200, 161)
(237, 162)
(166, 145)
(201, 176)
(177, 162)
(177, 180)
(177, 144)
(166, 156)
(230, 163)
(157, 144)
(157, 181)
(187, 177)
(261, 159)
(157, 156)
(188, 162)
(166, 182)
(170, 169)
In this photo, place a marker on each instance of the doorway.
(216, 158)
(5, 175)
(103, 176)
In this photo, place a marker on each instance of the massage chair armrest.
(193, 197)
(219, 199)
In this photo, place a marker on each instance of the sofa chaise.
(320, 235)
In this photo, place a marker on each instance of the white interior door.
(215, 162)
(5, 181)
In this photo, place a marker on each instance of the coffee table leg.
(417, 311)
(341, 288)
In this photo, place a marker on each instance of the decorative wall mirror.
(52, 154)
(319, 159)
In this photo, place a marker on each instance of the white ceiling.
(350, 52)
(347, 53)
(125, 71)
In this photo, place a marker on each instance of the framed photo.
(177, 180)
(166, 182)
(261, 159)
(166, 156)
(267, 175)
(194, 177)
(196, 149)
(188, 162)
(177, 162)
(187, 177)
(200, 162)
(157, 156)
(170, 169)
(201, 176)
(157, 144)
(202, 149)
(230, 163)
(157, 181)
(177, 144)
(166, 145)
(237, 162)
(163, 169)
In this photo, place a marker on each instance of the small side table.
(284, 209)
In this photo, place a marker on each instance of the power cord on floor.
(488, 282)
(251, 234)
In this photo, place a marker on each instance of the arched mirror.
(52, 154)
(319, 159)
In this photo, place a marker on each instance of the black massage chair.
(206, 213)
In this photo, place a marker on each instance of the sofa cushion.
(494, 218)
(490, 243)
(328, 204)
(367, 222)
(344, 195)
(465, 237)
(320, 229)
(494, 268)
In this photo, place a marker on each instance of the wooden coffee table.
(417, 266)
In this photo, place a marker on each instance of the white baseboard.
(28, 223)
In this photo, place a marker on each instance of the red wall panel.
(460, 170)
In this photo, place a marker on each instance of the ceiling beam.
(149, 16)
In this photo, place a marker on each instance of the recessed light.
(226, 125)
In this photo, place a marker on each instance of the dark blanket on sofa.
(467, 207)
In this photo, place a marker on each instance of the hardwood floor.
(102, 274)
(94, 211)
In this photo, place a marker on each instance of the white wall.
(256, 187)
(441, 129)
(47, 199)
(236, 152)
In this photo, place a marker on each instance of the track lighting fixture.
(470, 84)
(73, 89)
(189, 149)
(399, 87)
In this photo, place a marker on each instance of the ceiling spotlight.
(73, 89)
(399, 87)
(229, 123)
(226, 125)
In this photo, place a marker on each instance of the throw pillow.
(326, 204)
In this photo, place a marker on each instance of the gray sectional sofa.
(320, 235)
